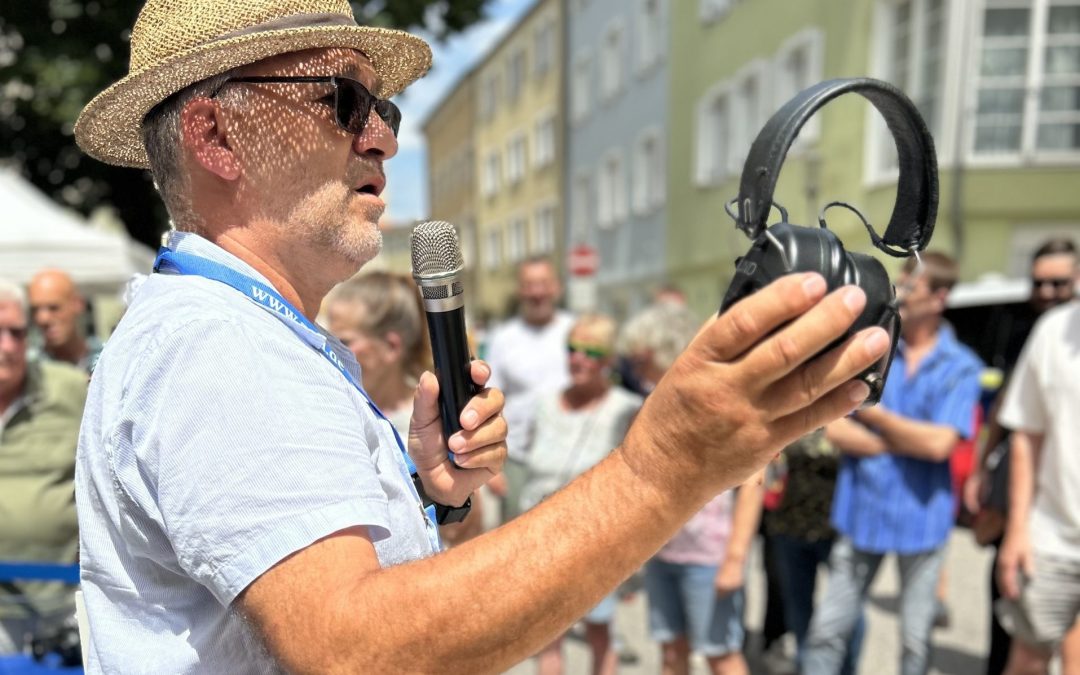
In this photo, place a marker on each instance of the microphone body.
(437, 267)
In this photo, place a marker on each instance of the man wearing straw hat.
(243, 508)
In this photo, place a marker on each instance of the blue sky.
(407, 172)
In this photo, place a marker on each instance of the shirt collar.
(193, 244)
(944, 346)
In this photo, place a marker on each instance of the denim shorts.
(605, 611)
(683, 601)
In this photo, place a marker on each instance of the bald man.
(57, 309)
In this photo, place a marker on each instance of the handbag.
(989, 523)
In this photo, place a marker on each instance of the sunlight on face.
(314, 181)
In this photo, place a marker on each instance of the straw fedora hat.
(176, 43)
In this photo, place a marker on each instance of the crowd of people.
(877, 482)
(250, 473)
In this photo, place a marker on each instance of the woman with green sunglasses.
(575, 429)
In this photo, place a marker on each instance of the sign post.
(582, 261)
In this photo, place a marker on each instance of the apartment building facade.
(998, 82)
(616, 182)
(518, 155)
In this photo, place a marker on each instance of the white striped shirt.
(216, 441)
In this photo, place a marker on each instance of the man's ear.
(205, 136)
(394, 345)
(941, 295)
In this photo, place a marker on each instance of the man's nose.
(377, 139)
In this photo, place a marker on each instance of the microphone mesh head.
(435, 249)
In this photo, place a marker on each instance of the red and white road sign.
(582, 260)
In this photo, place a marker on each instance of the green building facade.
(997, 80)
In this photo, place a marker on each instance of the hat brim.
(110, 126)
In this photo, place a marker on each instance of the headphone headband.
(915, 210)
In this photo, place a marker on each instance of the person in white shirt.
(527, 356)
(1039, 562)
(243, 506)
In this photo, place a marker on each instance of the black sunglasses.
(352, 101)
(17, 333)
(1056, 282)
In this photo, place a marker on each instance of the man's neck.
(304, 284)
(919, 339)
(9, 396)
(74, 351)
(537, 323)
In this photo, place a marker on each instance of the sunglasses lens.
(390, 114)
(353, 106)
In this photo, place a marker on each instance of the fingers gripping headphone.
(785, 248)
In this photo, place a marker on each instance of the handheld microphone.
(437, 266)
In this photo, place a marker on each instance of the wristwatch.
(444, 515)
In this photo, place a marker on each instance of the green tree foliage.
(55, 55)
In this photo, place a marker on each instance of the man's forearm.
(497, 599)
(854, 439)
(1023, 458)
(912, 438)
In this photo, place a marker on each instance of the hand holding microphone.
(437, 268)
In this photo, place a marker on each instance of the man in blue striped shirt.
(894, 490)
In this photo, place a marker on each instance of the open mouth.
(372, 187)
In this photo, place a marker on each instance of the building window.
(515, 159)
(544, 147)
(544, 230)
(713, 10)
(798, 65)
(1028, 101)
(492, 173)
(612, 58)
(913, 59)
(649, 172)
(515, 75)
(581, 87)
(516, 244)
(611, 204)
(581, 208)
(544, 47)
(489, 95)
(652, 29)
(747, 113)
(493, 248)
(713, 145)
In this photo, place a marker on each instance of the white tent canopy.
(36, 233)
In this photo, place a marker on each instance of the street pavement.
(959, 649)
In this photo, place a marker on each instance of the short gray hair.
(13, 292)
(162, 137)
(664, 328)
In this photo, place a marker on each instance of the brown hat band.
(294, 21)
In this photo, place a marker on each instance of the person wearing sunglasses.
(41, 405)
(245, 507)
(1037, 565)
(573, 430)
(1054, 272)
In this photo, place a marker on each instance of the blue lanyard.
(272, 301)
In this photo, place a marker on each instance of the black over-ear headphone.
(784, 248)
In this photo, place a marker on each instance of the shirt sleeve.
(246, 449)
(494, 360)
(960, 395)
(1024, 407)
